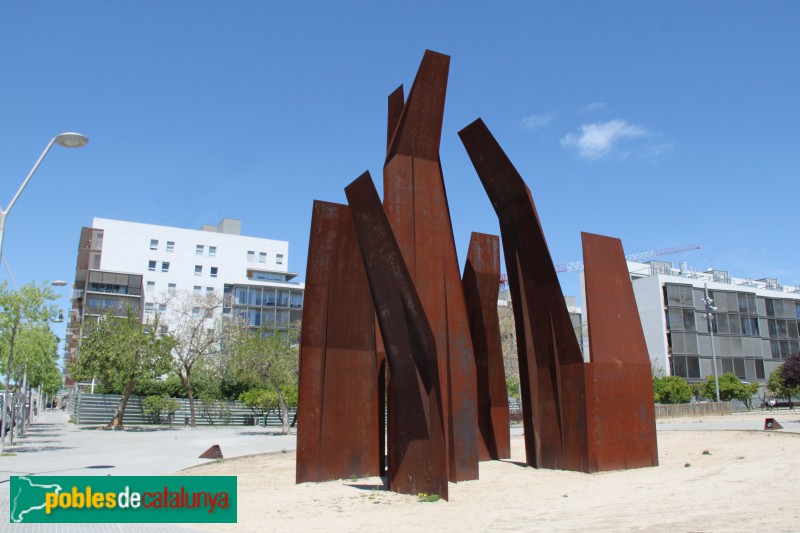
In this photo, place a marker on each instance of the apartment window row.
(261, 317)
(212, 271)
(734, 302)
(781, 349)
(201, 249)
(198, 291)
(744, 368)
(263, 296)
(735, 324)
(782, 308)
(151, 308)
(251, 256)
(108, 303)
(170, 246)
(151, 266)
(782, 329)
(108, 287)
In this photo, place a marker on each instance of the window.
(149, 309)
(262, 257)
(165, 266)
(162, 308)
(164, 329)
(212, 251)
(170, 246)
(209, 291)
(195, 312)
(199, 249)
(154, 244)
(251, 255)
(171, 288)
(214, 272)
(198, 290)
(198, 270)
(151, 266)
(279, 259)
(151, 286)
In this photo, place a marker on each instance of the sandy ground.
(747, 481)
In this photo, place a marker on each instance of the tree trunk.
(6, 398)
(119, 413)
(187, 385)
(284, 412)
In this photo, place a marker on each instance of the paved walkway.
(53, 446)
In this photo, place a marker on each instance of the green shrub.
(671, 389)
(160, 408)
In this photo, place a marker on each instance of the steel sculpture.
(550, 361)
(619, 384)
(417, 453)
(416, 206)
(481, 284)
(338, 386)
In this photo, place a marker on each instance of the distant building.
(123, 264)
(575, 316)
(755, 324)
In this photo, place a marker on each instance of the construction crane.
(578, 265)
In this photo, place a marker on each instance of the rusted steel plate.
(416, 206)
(417, 454)
(338, 410)
(481, 282)
(620, 410)
(550, 361)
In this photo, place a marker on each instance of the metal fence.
(684, 410)
(97, 409)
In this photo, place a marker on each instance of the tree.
(790, 371)
(260, 401)
(267, 359)
(778, 388)
(29, 306)
(194, 326)
(730, 388)
(671, 390)
(120, 351)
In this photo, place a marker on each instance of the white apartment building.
(123, 264)
(754, 323)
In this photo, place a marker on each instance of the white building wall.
(650, 301)
(126, 248)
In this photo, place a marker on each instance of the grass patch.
(428, 498)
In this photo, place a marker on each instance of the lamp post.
(67, 140)
(709, 308)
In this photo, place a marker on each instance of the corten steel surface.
(550, 361)
(337, 436)
(416, 206)
(417, 458)
(619, 384)
(481, 283)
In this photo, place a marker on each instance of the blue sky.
(662, 124)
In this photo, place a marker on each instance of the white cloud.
(537, 121)
(594, 106)
(598, 140)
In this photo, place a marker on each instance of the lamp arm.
(30, 174)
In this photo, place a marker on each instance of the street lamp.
(67, 140)
(709, 308)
